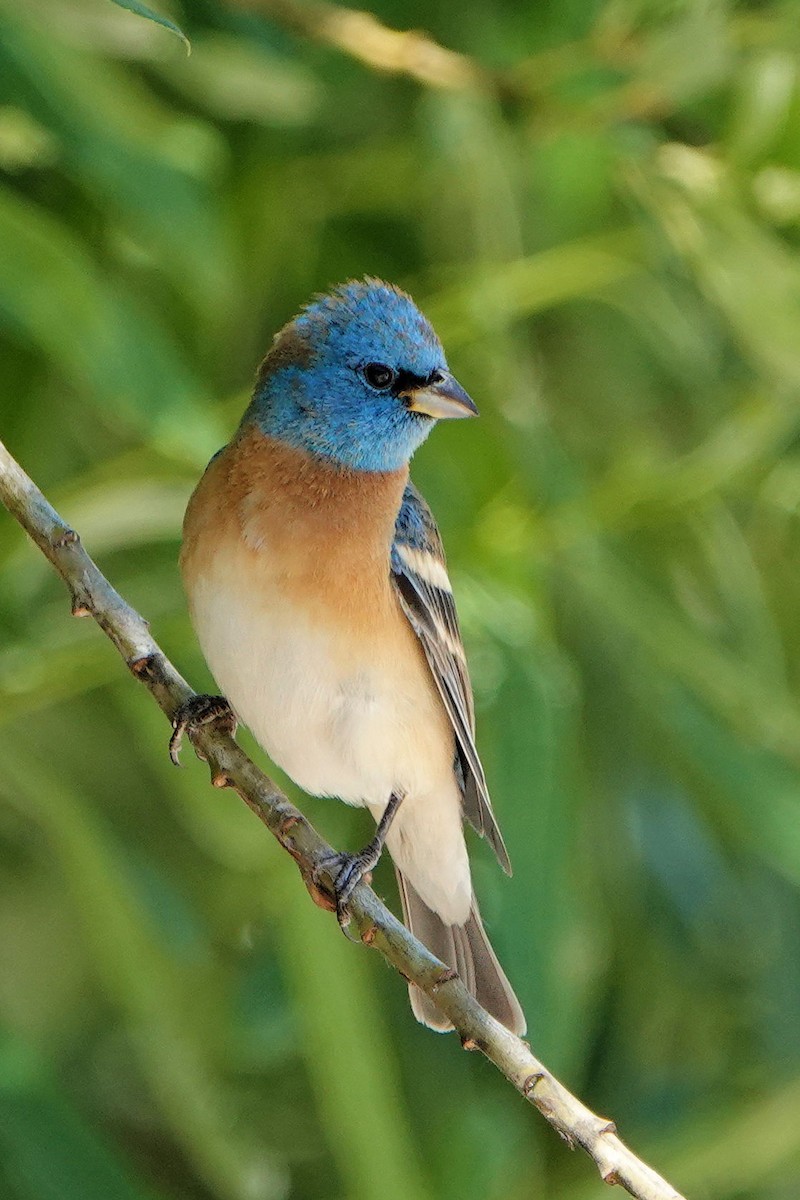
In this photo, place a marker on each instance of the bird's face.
(358, 378)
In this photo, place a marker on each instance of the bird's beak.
(442, 399)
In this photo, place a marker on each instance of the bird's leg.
(347, 870)
(196, 712)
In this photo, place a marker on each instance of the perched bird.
(318, 590)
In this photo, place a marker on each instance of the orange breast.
(321, 534)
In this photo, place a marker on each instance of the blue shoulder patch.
(415, 525)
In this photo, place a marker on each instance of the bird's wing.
(420, 578)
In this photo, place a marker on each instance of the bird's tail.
(466, 949)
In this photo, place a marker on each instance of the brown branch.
(361, 35)
(93, 595)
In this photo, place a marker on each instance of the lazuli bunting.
(318, 589)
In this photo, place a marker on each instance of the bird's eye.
(379, 376)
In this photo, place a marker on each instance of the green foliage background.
(606, 235)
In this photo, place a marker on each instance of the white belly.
(360, 726)
(338, 726)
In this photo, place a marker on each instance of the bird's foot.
(196, 712)
(346, 872)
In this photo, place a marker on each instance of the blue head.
(358, 378)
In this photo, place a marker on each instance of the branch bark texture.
(92, 595)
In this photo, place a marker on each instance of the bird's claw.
(196, 712)
(346, 872)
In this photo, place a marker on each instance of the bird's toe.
(196, 712)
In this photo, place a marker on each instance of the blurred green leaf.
(146, 167)
(48, 1150)
(142, 10)
(167, 1025)
(334, 988)
(52, 294)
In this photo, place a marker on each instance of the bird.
(318, 589)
